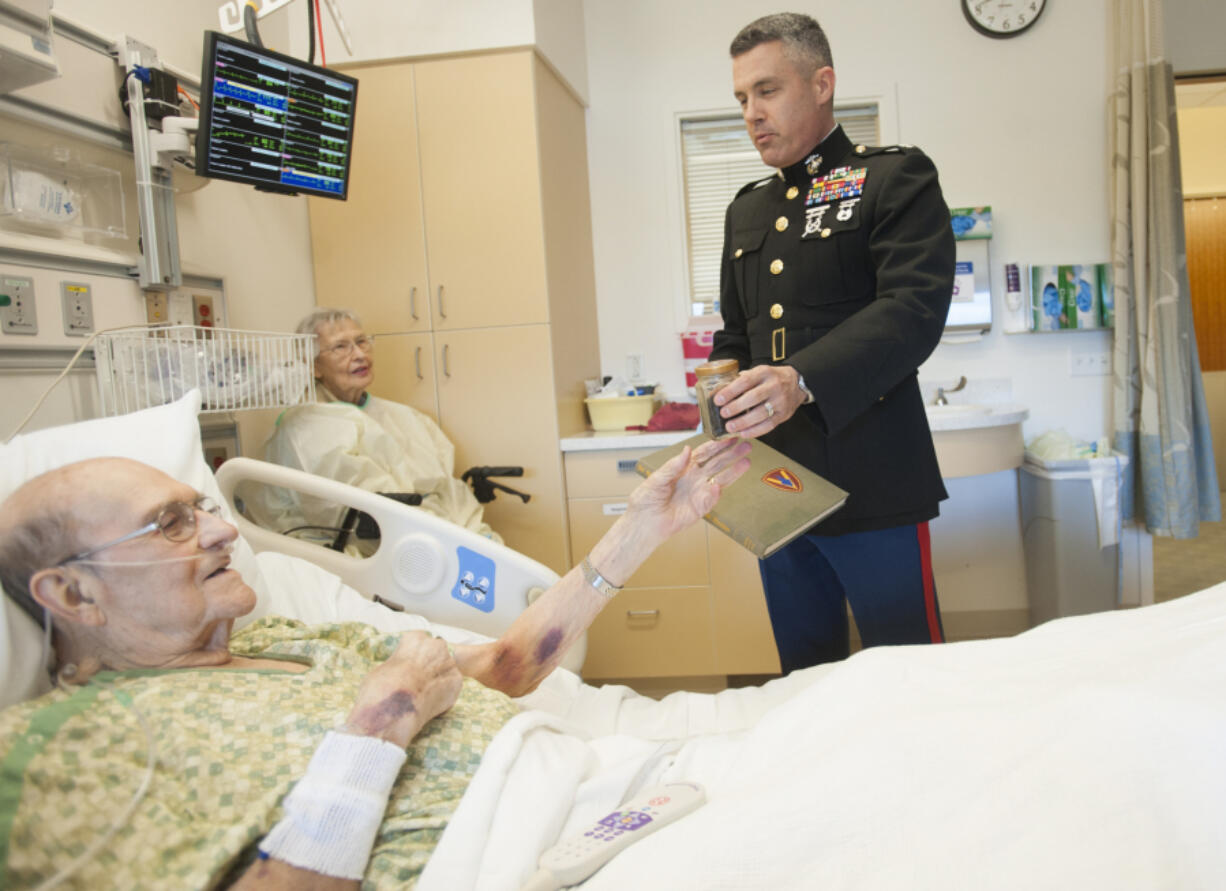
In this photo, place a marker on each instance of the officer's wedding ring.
(770, 409)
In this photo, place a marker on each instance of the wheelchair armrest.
(485, 489)
(495, 470)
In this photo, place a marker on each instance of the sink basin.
(973, 415)
(976, 438)
(949, 411)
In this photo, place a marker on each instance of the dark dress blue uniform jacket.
(842, 266)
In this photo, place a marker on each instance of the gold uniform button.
(738, 252)
(859, 150)
(792, 193)
(781, 223)
(776, 311)
(826, 233)
(776, 267)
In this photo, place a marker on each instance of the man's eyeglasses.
(343, 348)
(176, 521)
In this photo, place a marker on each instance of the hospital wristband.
(598, 581)
(333, 813)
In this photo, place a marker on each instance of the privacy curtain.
(1160, 419)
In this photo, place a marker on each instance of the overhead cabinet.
(466, 245)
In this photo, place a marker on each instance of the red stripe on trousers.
(930, 594)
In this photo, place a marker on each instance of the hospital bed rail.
(423, 564)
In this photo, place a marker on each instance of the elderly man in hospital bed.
(353, 437)
(1089, 752)
(131, 569)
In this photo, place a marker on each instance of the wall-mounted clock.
(1002, 18)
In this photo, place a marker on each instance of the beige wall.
(1202, 135)
(381, 29)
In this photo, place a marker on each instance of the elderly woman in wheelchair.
(354, 437)
(130, 573)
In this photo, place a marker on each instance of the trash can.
(1070, 534)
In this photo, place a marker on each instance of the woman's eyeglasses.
(343, 348)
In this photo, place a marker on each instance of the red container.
(695, 348)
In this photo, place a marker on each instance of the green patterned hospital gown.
(230, 744)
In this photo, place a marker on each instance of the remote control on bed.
(572, 860)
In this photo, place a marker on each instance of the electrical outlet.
(17, 308)
(1090, 364)
(634, 366)
(203, 307)
(76, 308)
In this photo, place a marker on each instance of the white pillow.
(166, 437)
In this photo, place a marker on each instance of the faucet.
(941, 391)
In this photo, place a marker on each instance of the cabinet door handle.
(441, 310)
(642, 613)
(446, 362)
(413, 302)
(417, 362)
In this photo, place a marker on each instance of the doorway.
(1184, 566)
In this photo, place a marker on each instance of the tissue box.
(620, 412)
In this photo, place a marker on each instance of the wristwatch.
(808, 394)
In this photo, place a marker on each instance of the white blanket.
(1087, 753)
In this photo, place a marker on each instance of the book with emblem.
(774, 502)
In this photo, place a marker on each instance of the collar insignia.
(783, 479)
(813, 163)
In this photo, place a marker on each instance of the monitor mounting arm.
(230, 15)
(159, 268)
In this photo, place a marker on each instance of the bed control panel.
(475, 585)
(574, 859)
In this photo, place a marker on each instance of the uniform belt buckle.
(778, 345)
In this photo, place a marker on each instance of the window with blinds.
(718, 158)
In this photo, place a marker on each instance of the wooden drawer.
(603, 473)
(679, 561)
(652, 632)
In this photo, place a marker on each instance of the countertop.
(939, 422)
(994, 415)
(627, 439)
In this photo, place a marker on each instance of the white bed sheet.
(1087, 753)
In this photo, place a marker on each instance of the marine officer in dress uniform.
(836, 281)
